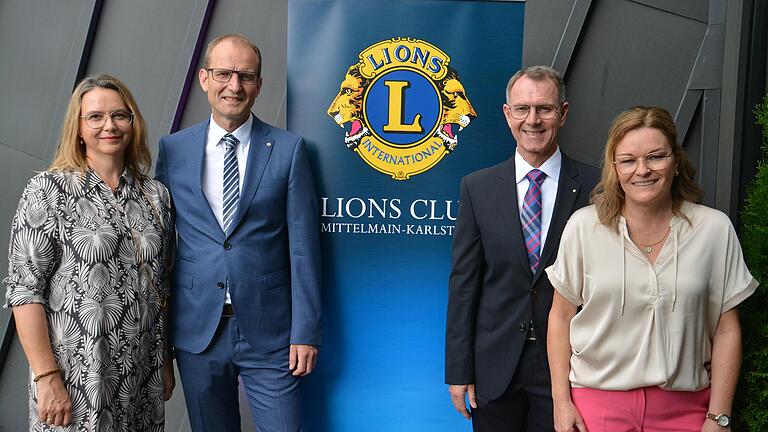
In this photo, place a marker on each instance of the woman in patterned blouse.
(89, 258)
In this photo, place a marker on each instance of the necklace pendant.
(647, 249)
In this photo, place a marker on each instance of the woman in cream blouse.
(656, 344)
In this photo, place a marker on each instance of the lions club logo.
(402, 107)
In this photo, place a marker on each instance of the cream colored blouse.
(644, 324)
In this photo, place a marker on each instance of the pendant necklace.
(647, 249)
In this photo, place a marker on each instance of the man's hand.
(301, 359)
(457, 397)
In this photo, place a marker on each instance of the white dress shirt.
(213, 170)
(548, 188)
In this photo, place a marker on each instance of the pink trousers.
(647, 409)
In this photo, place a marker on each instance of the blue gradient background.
(382, 365)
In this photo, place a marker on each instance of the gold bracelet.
(45, 374)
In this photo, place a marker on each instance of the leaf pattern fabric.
(97, 260)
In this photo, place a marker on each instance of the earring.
(676, 173)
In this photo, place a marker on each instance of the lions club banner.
(397, 101)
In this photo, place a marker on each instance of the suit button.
(227, 246)
(220, 285)
(523, 328)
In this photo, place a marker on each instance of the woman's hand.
(568, 418)
(53, 404)
(169, 380)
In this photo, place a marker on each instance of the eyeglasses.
(653, 161)
(97, 119)
(224, 75)
(545, 112)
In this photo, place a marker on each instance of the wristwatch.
(721, 419)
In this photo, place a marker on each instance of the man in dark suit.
(499, 295)
(245, 297)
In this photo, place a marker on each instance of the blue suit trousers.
(210, 381)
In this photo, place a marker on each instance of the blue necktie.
(531, 217)
(231, 181)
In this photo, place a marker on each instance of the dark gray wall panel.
(709, 129)
(629, 55)
(544, 24)
(571, 34)
(693, 9)
(41, 42)
(148, 44)
(732, 111)
(14, 405)
(263, 22)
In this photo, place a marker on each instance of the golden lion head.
(457, 110)
(347, 106)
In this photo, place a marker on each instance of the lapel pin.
(269, 144)
(574, 191)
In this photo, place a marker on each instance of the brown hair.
(70, 154)
(608, 196)
(539, 73)
(238, 37)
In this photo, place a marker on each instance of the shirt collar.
(551, 167)
(242, 133)
(91, 180)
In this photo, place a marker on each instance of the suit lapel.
(259, 151)
(568, 189)
(197, 155)
(507, 199)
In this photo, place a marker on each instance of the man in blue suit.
(246, 286)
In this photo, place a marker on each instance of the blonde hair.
(70, 154)
(608, 196)
(234, 36)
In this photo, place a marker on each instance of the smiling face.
(231, 101)
(646, 187)
(536, 138)
(110, 140)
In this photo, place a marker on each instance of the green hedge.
(751, 405)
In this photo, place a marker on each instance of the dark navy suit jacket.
(270, 257)
(493, 296)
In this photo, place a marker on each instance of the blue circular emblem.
(420, 107)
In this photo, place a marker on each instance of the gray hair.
(540, 73)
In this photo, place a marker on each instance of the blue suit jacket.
(271, 256)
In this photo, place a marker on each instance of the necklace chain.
(648, 248)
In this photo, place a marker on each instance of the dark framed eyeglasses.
(653, 161)
(97, 119)
(224, 75)
(544, 112)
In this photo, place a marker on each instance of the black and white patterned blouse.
(99, 262)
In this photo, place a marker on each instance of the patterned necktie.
(531, 217)
(231, 181)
